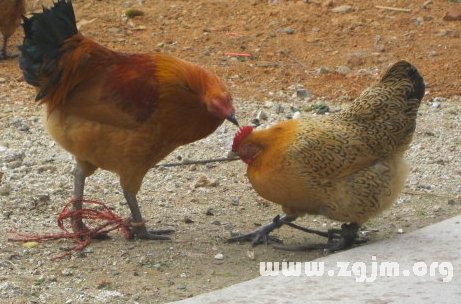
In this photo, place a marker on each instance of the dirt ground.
(292, 44)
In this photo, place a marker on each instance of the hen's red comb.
(240, 135)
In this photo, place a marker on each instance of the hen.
(347, 166)
(116, 111)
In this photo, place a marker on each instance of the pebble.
(400, 231)
(453, 13)
(288, 30)
(343, 70)
(323, 70)
(279, 109)
(261, 115)
(203, 181)
(219, 256)
(342, 9)
(5, 190)
(181, 286)
(296, 115)
(31, 244)
(188, 220)
(209, 211)
(67, 272)
(303, 93)
(268, 104)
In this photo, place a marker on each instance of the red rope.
(83, 237)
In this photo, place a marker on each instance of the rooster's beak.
(232, 119)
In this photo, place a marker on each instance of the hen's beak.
(232, 119)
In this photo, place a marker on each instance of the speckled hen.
(347, 166)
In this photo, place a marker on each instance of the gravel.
(203, 203)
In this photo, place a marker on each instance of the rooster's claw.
(143, 233)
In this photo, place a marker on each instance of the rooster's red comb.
(240, 135)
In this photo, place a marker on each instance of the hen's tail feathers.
(404, 70)
(45, 33)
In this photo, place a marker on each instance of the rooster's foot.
(139, 230)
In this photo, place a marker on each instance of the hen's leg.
(347, 237)
(137, 223)
(338, 239)
(262, 234)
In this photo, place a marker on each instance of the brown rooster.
(115, 111)
(10, 16)
(347, 166)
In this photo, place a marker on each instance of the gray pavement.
(426, 258)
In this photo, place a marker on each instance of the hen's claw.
(261, 236)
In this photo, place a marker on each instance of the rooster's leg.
(262, 234)
(82, 170)
(137, 222)
(79, 185)
(3, 54)
(3, 50)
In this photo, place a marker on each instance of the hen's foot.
(338, 239)
(261, 236)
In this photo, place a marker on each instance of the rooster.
(10, 16)
(116, 111)
(347, 166)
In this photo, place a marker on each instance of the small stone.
(209, 211)
(31, 244)
(216, 222)
(188, 220)
(133, 12)
(436, 105)
(400, 231)
(114, 30)
(343, 70)
(2, 80)
(296, 115)
(323, 70)
(251, 255)
(261, 115)
(67, 272)
(203, 181)
(288, 30)
(5, 190)
(342, 9)
(454, 202)
(219, 256)
(453, 14)
(181, 286)
(255, 122)
(303, 93)
(235, 201)
(279, 109)
(268, 104)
